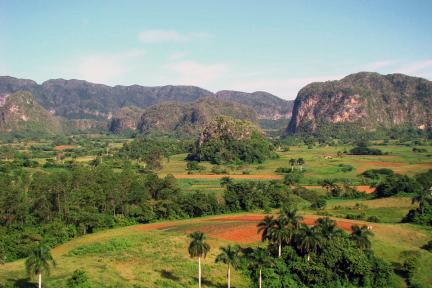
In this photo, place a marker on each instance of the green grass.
(388, 210)
(317, 167)
(127, 257)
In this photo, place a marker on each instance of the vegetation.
(225, 140)
(198, 248)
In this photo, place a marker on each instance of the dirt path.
(233, 176)
(361, 188)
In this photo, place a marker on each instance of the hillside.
(20, 113)
(78, 99)
(228, 140)
(265, 104)
(369, 100)
(187, 119)
(126, 119)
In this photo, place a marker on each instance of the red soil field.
(240, 229)
(64, 147)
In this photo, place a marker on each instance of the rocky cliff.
(19, 112)
(368, 99)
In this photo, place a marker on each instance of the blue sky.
(274, 46)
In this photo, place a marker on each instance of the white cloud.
(160, 35)
(419, 68)
(177, 55)
(377, 65)
(194, 73)
(286, 88)
(107, 68)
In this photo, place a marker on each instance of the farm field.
(155, 255)
(401, 159)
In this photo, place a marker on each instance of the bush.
(346, 167)
(78, 279)
(395, 184)
(319, 203)
(194, 166)
(293, 178)
(218, 170)
(362, 150)
(428, 246)
(374, 219)
(283, 170)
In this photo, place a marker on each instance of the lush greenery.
(227, 140)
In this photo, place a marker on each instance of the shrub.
(78, 279)
(428, 246)
(219, 170)
(365, 151)
(374, 219)
(346, 167)
(319, 203)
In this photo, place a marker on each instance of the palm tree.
(291, 218)
(422, 198)
(258, 260)
(229, 255)
(292, 162)
(327, 227)
(279, 233)
(38, 262)
(360, 236)
(265, 226)
(309, 241)
(198, 248)
(300, 162)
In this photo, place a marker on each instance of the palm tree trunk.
(199, 272)
(280, 250)
(40, 280)
(229, 276)
(260, 279)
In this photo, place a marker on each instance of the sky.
(273, 46)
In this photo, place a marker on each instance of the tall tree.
(422, 197)
(309, 241)
(38, 262)
(198, 248)
(259, 259)
(230, 256)
(300, 162)
(292, 162)
(327, 227)
(279, 234)
(264, 227)
(360, 235)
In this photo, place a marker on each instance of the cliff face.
(126, 119)
(19, 112)
(265, 104)
(369, 99)
(187, 119)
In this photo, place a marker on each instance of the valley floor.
(155, 255)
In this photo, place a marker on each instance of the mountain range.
(368, 100)
(90, 106)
